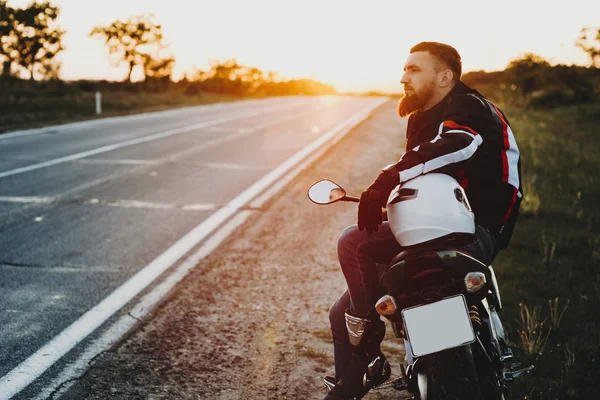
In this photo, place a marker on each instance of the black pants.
(359, 255)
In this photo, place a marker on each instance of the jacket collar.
(459, 88)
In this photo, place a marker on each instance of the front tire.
(448, 375)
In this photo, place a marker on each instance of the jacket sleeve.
(459, 136)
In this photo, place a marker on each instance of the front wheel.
(448, 375)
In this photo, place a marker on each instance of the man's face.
(419, 80)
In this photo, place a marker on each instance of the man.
(454, 130)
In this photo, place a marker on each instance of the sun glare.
(354, 45)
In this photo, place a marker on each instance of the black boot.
(368, 367)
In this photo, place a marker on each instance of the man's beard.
(411, 103)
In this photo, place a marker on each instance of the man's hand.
(370, 214)
(372, 200)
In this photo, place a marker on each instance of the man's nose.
(404, 79)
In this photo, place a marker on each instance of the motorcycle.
(444, 304)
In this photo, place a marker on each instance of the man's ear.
(445, 78)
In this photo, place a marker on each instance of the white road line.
(127, 321)
(115, 146)
(36, 364)
(200, 207)
(222, 129)
(231, 137)
(242, 167)
(119, 162)
(127, 118)
(27, 199)
(281, 182)
(121, 118)
(154, 205)
(183, 153)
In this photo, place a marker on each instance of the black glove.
(372, 200)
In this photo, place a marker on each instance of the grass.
(323, 334)
(549, 275)
(533, 332)
(555, 315)
(311, 352)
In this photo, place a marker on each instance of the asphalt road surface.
(85, 207)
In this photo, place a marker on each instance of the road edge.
(130, 320)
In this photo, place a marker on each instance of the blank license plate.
(438, 326)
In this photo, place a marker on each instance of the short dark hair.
(443, 52)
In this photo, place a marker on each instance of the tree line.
(531, 80)
(30, 40)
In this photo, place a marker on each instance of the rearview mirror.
(326, 192)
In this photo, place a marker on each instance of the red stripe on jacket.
(512, 204)
(506, 147)
(454, 125)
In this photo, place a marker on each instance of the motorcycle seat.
(456, 243)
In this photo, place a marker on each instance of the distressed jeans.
(359, 255)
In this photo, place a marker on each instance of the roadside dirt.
(251, 320)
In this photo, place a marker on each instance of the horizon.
(354, 47)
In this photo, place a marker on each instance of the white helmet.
(429, 207)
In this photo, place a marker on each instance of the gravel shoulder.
(251, 320)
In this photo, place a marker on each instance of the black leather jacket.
(468, 137)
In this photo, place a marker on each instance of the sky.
(356, 45)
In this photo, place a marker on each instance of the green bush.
(88, 86)
(552, 97)
(532, 81)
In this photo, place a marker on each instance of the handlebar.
(351, 199)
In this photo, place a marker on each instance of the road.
(83, 208)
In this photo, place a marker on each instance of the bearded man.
(452, 129)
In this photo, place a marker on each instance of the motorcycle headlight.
(474, 281)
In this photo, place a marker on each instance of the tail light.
(474, 281)
(386, 305)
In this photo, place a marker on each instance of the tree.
(134, 42)
(196, 75)
(230, 77)
(589, 41)
(8, 37)
(158, 68)
(224, 77)
(528, 72)
(224, 70)
(39, 38)
(158, 64)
